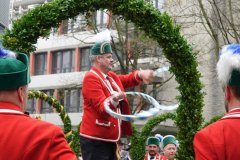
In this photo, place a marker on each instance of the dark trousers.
(97, 150)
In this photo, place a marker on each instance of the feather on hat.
(102, 45)
(228, 66)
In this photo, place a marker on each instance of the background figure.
(160, 137)
(99, 131)
(218, 141)
(22, 137)
(122, 153)
(153, 150)
(169, 145)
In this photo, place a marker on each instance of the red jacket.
(25, 138)
(158, 157)
(220, 140)
(96, 123)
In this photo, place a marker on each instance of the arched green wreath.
(70, 135)
(156, 25)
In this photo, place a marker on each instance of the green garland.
(70, 135)
(158, 26)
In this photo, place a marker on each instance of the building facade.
(4, 14)
(59, 63)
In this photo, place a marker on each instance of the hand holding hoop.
(143, 114)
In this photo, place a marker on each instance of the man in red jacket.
(219, 141)
(153, 150)
(22, 137)
(99, 131)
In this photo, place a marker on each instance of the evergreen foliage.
(158, 26)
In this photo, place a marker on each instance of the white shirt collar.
(104, 75)
(150, 156)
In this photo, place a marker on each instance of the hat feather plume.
(229, 60)
(104, 36)
(4, 53)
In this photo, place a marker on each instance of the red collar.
(98, 72)
(234, 110)
(234, 113)
(157, 156)
(10, 106)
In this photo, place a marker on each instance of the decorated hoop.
(143, 115)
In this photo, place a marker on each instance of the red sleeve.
(129, 80)
(136, 75)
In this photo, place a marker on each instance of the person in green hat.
(99, 131)
(23, 137)
(153, 149)
(219, 140)
(169, 145)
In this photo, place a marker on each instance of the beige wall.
(4, 12)
(186, 14)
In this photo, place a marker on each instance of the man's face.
(152, 149)
(106, 62)
(170, 151)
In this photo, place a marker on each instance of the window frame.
(55, 61)
(85, 63)
(43, 70)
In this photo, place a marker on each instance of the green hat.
(169, 139)
(153, 140)
(101, 48)
(235, 78)
(14, 70)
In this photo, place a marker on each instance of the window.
(85, 63)
(72, 100)
(45, 107)
(101, 18)
(158, 52)
(1, 28)
(158, 4)
(63, 61)
(77, 24)
(65, 26)
(40, 66)
(147, 52)
(152, 52)
(31, 106)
